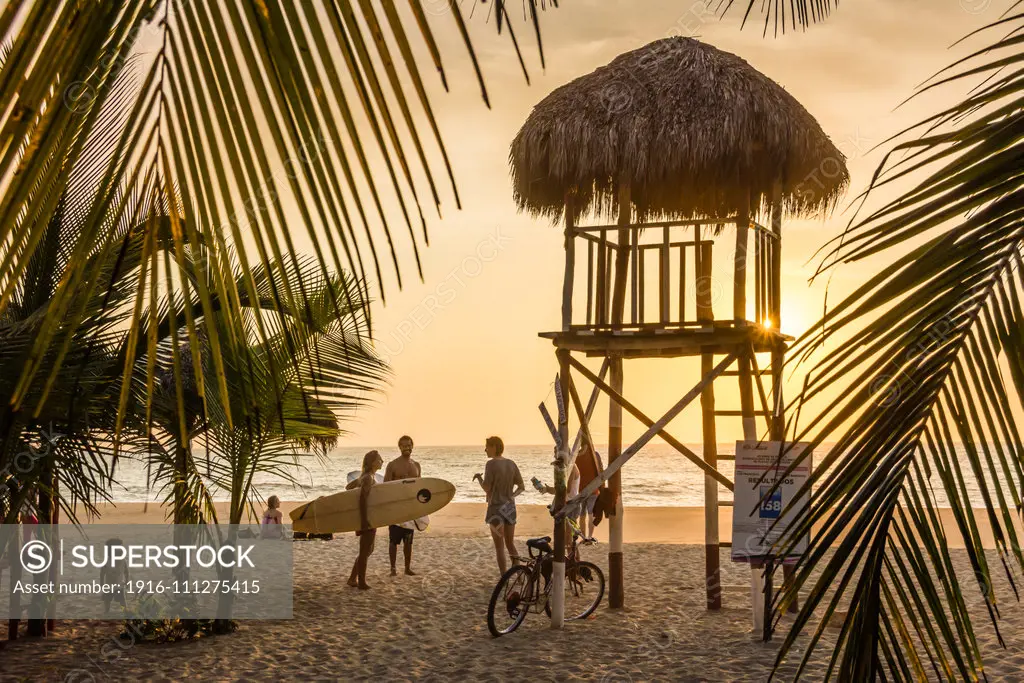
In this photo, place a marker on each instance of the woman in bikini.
(371, 463)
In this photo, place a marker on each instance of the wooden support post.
(705, 313)
(663, 272)
(757, 572)
(606, 304)
(558, 564)
(570, 263)
(682, 284)
(616, 588)
(739, 305)
(776, 259)
(634, 279)
(601, 314)
(642, 275)
(739, 292)
(778, 427)
(622, 254)
(616, 591)
(747, 395)
(590, 281)
(758, 280)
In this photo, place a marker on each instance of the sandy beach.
(433, 626)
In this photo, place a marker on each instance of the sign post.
(757, 514)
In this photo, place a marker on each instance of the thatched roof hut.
(694, 130)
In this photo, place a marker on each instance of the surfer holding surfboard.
(402, 467)
(367, 534)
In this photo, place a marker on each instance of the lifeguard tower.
(676, 151)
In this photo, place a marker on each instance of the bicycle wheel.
(508, 605)
(584, 588)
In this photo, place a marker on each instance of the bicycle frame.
(535, 566)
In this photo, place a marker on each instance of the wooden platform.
(670, 342)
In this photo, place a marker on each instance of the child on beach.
(371, 463)
(271, 524)
(500, 476)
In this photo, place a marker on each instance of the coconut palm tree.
(322, 365)
(243, 108)
(56, 430)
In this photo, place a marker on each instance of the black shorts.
(399, 534)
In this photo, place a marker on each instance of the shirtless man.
(402, 467)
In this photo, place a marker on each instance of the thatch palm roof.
(693, 129)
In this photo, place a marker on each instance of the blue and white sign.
(757, 514)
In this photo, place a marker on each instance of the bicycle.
(519, 588)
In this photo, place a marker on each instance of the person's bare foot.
(353, 583)
(394, 572)
(364, 586)
(409, 572)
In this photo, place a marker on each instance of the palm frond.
(239, 110)
(802, 13)
(928, 354)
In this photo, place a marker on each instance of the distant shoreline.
(642, 524)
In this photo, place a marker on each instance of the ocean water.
(656, 476)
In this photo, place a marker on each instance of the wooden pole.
(635, 281)
(570, 262)
(600, 314)
(778, 427)
(590, 282)
(558, 565)
(705, 313)
(622, 253)
(739, 310)
(616, 585)
(739, 291)
(663, 271)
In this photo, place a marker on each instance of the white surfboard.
(394, 502)
(354, 474)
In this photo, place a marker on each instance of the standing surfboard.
(354, 474)
(394, 502)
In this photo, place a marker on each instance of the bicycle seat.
(542, 544)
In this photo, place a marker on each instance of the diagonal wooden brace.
(583, 416)
(591, 404)
(654, 428)
(639, 415)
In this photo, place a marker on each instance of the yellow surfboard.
(393, 502)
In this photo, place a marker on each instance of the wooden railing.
(683, 292)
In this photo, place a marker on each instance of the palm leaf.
(234, 120)
(929, 354)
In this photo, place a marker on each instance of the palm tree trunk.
(181, 506)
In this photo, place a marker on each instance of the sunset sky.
(472, 365)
